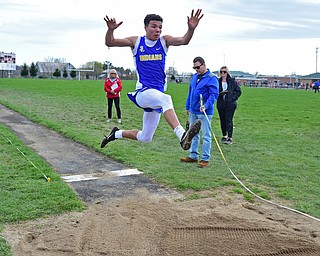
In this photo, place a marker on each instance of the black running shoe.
(189, 134)
(110, 137)
(229, 141)
(224, 140)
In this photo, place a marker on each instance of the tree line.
(98, 70)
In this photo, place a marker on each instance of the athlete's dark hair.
(152, 17)
(200, 59)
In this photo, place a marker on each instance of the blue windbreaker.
(208, 86)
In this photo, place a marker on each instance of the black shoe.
(110, 137)
(229, 141)
(224, 140)
(189, 134)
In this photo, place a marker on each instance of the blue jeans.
(206, 137)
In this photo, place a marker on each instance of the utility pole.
(316, 59)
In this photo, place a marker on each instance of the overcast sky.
(265, 36)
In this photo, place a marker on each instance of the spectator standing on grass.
(149, 54)
(316, 86)
(203, 93)
(113, 87)
(229, 92)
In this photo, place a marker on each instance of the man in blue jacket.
(316, 86)
(203, 93)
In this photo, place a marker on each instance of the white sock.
(118, 134)
(179, 131)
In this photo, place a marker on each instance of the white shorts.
(154, 99)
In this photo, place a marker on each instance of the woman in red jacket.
(113, 87)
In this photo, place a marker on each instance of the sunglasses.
(223, 71)
(113, 73)
(197, 67)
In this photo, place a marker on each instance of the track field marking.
(86, 177)
(126, 172)
(80, 177)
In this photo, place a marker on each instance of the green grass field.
(276, 137)
(275, 151)
(24, 192)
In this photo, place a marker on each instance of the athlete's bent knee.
(144, 139)
(167, 103)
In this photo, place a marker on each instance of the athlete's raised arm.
(110, 41)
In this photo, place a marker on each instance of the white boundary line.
(79, 177)
(126, 172)
(85, 177)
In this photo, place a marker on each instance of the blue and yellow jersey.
(150, 58)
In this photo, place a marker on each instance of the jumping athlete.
(149, 54)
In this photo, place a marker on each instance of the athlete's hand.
(193, 21)
(111, 23)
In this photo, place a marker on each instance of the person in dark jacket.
(229, 92)
(316, 86)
